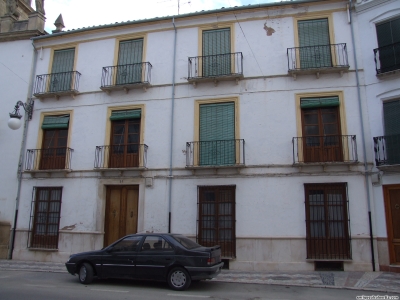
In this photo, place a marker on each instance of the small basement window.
(328, 266)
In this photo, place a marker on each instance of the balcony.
(215, 154)
(387, 152)
(215, 68)
(387, 59)
(126, 77)
(317, 150)
(318, 59)
(56, 85)
(50, 160)
(121, 157)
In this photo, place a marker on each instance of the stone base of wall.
(4, 239)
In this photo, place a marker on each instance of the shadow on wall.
(4, 239)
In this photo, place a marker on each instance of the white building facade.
(380, 40)
(238, 127)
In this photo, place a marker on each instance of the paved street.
(49, 285)
(382, 282)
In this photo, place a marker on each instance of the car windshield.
(186, 242)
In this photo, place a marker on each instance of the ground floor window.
(45, 217)
(327, 221)
(216, 218)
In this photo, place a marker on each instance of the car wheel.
(85, 273)
(179, 279)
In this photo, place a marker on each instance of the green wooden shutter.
(61, 70)
(319, 102)
(314, 43)
(216, 52)
(55, 122)
(391, 111)
(217, 134)
(126, 114)
(130, 61)
(388, 35)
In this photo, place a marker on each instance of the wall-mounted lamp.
(15, 117)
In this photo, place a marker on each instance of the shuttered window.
(314, 43)
(388, 35)
(55, 122)
(126, 114)
(217, 134)
(216, 52)
(130, 61)
(391, 111)
(327, 221)
(61, 71)
(45, 217)
(319, 102)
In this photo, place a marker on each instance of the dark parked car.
(166, 257)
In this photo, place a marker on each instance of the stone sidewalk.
(383, 282)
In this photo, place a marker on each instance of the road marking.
(39, 285)
(115, 291)
(191, 296)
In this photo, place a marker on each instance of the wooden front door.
(392, 207)
(322, 141)
(121, 212)
(125, 143)
(54, 149)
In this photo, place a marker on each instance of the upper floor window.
(61, 70)
(388, 35)
(130, 57)
(216, 51)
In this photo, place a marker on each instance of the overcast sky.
(84, 13)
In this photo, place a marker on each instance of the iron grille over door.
(130, 62)
(388, 34)
(314, 43)
(215, 43)
(61, 71)
(327, 221)
(217, 134)
(45, 217)
(391, 111)
(216, 223)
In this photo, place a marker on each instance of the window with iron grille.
(129, 68)
(61, 71)
(45, 218)
(327, 221)
(388, 34)
(391, 112)
(216, 218)
(216, 52)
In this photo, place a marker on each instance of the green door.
(217, 134)
(129, 69)
(391, 111)
(216, 52)
(314, 43)
(61, 71)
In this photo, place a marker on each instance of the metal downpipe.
(21, 156)
(170, 177)
(366, 172)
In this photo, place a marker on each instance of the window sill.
(57, 95)
(125, 87)
(47, 173)
(215, 79)
(318, 71)
(43, 249)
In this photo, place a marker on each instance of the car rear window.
(186, 242)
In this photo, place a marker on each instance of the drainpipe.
(366, 172)
(21, 155)
(170, 177)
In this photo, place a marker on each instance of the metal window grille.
(216, 218)
(45, 218)
(327, 221)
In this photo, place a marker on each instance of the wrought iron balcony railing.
(323, 149)
(387, 58)
(57, 84)
(121, 156)
(317, 57)
(48, 159)
(215, 153)
(215, 66)
(114, 77)
(387, 150)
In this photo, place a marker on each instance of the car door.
(119, 260)
(154, 257)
